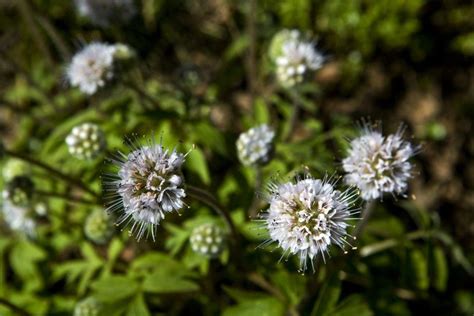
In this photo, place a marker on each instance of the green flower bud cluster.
(88, 307)
(208, 240)
(86, 141)
(99, 227)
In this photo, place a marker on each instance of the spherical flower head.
(306, 217)
(208, 240)
(106, 12)
(92, 67)
(86, 141)
(88, 307)
(149, 184)
(294, 57)
(377, 164)
(19, 191)
(99, 227)
(255, 146)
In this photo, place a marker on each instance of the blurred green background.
(200, 77)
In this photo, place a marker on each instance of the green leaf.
(237, 48)
(162, 281)
(137, 307)
(439, 269)
(241, 296)
(328, 296)
(196, 162)
(115, 288)
(419, 269)
(291, 284)
(24, 259)
(262, 114)
(354, 305)
(259, 307)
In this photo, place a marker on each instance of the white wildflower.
(148, 185)
(295, 57)
(308, 216)
(255, 146)
(377, 164)
(18, 217)
(86, 141)
(88, 307)
(18, 205)
(92, 67)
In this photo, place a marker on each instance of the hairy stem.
(392, 242)
(54, 172)
(18, 310)
(366, 213)
(207, 198)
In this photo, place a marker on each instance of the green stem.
(294, 116)
(18, 310)
(52, 171)
(68, 198)
(253, 208)
(366, 213)
(392, 242)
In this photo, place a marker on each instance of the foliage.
(199, 76)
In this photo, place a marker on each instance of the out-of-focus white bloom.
(106, 12)
(208, 240)
(294, 57)
(148, 185)
(88, 307)
(86, 141)
(18, 217)
(255, 146)
(377, 164)
(19, 207)
(92, 67)
(308, 216)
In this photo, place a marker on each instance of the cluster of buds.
(99, 227)
(88, 307)
(255, 146)
(86, 141)
(294, 57)
(208, 240)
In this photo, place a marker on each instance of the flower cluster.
(86, 141)
(307, 216)
(99, 227)
(149, 184)
(106, 12)
(208, 240)
(255, 146)
(92, 67)
(88, 307)
(294, 57)
(377, 164)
